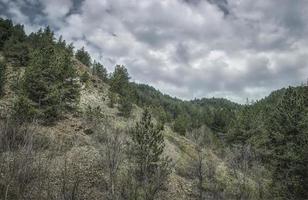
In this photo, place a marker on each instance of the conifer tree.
(49, 78)
(288, 141)
(100, 71)
(16, 52)
(125, 106)
(112, 99)
(180, 125)
(83, 56)
(119, 81)
(6, 27)
(15, 49)
(150, 167)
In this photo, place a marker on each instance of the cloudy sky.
(235, 49)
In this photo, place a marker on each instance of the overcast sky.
(235, 49)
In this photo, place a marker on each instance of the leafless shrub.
(16, 158)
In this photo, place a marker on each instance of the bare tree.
(113, 157)
(240, 162)
(17, 158)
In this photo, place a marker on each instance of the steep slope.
(73, 143)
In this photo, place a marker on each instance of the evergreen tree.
(100, 71)
(180, 125)
(243, 127)
(83, 56)
(150, 167)
(49, 79)
(42, 39)
(16, 52)
(6, 27)
(125, 106)
(119, 81)
(288, 141)
(15, 48)
(112, 99)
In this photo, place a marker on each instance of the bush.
(125, 107)
(24, 109)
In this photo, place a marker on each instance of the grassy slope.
(70, 141)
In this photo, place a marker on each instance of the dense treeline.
(186, 115)
(276, 128)
(48, 86)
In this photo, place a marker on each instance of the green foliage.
(16, 52)
(119, 81)
(125, 107)
(276, 127)
(112, 99)
(49, 80)
(198, 112)
(149, 167)
(41, 39)
(221, 120)
(162, 116)
(83, 56)
(93, 117)
(24, 110)
(243, 127)
(180, 125)
(2, 78)
(6, 27)
(14, 44)
(100, 71)
(288, 139)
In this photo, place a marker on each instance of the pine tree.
(6, 27)
(119, 81)
(243, 127)
(83, 56)
(15, 49)
(16, 52)
(100, 71)
(112, 99)
(125, 106)
(288, 141)
(150, 167)
(49, 80)
(180, 124)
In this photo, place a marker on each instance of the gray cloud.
(187, 48)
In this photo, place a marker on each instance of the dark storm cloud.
(187, 48)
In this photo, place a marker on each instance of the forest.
(71, 130)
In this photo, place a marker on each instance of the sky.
(236, 49)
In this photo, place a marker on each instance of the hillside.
(70, 130)
(76, 139)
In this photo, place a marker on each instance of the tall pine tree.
(288, 142)
(150, 167)
(49, 80)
